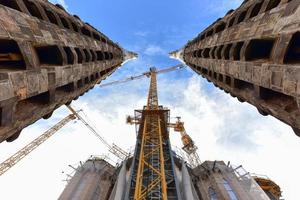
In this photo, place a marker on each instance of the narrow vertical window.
(229, 190)
(33, 9)
(292, 55)
(212, 194)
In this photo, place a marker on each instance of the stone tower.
(47, 58)
(253, 54)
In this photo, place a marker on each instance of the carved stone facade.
(253, 53)
(47, 58)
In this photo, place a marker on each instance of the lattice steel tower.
(153, 172)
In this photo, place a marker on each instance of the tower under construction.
(155, 171)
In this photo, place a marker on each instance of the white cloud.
(153, 50)
(223, 129)
(141, 33)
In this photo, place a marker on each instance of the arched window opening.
(33, 9)
(227, 51)
(220, 27)
(195, 53)
(215, 75)
(259, 49)
(79, 55)
(10, 55)
(106, 55)
(209, 33)
(237, 51)
(100, 56)
(51, 16)
(292, 55)
(103, 40)
(86, 80)
(85, 31)
(111, 56)
(272, 4)
(75, 27)
(87, 55)
(70, 56)
(220, 77)
(229, 190)
(202, 36)
(65, 23)
(11, 4)
(96, 36)
(199, 53)
(228, 80)
(219, 52)
(93, 55)
(212, 194)
(49, 55)
(231, 22)
(242, 16)
(256, 9)
(80, 83)
(211, 52)
(206, 53)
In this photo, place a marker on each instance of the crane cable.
(114, 149)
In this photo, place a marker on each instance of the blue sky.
(223, 128)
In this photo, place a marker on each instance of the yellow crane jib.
(17, 157)
(145, 74)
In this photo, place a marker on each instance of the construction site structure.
(155, 171)
(253, 54)
(48, 58)
(270, 187)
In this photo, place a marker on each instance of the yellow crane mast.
(152, 136)
(189, 146)
(153, 172)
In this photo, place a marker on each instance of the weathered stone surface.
(255, 46)
(47, 58)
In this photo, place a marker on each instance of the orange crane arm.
(188, 144)
(143, 75)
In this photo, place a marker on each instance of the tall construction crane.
(17, 157)
(188, 144)
(153, 172)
